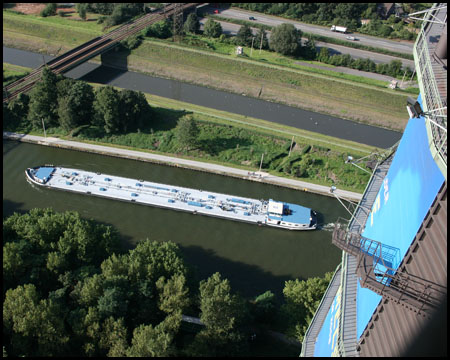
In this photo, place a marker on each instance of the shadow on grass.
(214, 146)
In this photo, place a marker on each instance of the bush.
(285, 39)
(49, 10)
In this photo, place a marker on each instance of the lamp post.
(45, 134)
(332, 190)
(350, 160)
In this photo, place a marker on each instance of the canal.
(216, 99)
(254, 259)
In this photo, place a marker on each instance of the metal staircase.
(376, 272)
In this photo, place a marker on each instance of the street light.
(333, 189)
(350, 160)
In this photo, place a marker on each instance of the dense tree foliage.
(187, 132)
(44, 101)
(285, 39)
(69, 289)
(49, 10)
(224, 315)
(302, 299)
(133, 110)
(192, 24)
(160, 30)
(265, 43)
(106, 106)
(75, 108)
(212, 28)
(343, 14)
(81, 9)
(244, 36)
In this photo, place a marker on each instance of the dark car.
(251, 18)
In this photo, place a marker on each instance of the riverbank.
(294, 87)
(183, 163)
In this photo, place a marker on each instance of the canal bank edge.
(183, 163)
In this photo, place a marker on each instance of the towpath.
(184, 163)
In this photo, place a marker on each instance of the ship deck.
(161, 195)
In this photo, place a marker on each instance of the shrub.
(49, 10)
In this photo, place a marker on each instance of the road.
(232, 29)
(398, 46)
(184, 163)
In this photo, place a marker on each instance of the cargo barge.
(261, 212)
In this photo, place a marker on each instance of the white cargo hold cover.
(275, 207)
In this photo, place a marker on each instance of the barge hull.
(158, 195)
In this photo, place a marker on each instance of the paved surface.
(184, 163)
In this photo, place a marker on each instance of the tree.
(212, 28)
(285, 39)
(323, 55)
(160, 30)
(39, 321)
(152, 341)
(113, 337)
(302, 300)
(395, 68)
(187, 132)
(173, 293)
(81, 8)
(309, 50)
(134, 110)
(244, 36)
(44, 101)
(219, 308)
(49, 10)
(264, 307)
(75, 108)
(192, 24)
(15, 112)
(265, 42)
(223, 315)
(106, 108)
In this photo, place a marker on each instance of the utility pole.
(177, 20)
(45, 134)
(260, 165)
(260, 46)
(251, 51)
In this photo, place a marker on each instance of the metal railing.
(376, 268)
(435, 110)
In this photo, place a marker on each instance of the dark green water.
(254, 259)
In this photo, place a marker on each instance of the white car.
(350, 38)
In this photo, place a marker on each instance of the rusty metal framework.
(376, 270)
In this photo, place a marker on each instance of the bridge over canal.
(94, 47)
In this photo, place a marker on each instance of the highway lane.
(398, 46)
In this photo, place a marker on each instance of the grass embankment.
(12, 73)
(304, 89)
(47, 35)
(238, 141)
(285, 82)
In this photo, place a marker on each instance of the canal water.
(254, 259)
(221, 100)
